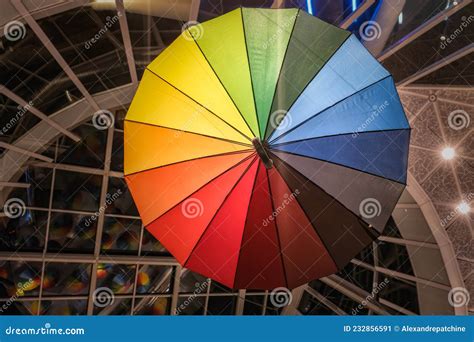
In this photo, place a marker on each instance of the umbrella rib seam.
(245, 224)
(250, 72)
(327, 108)
(223, 202)
(338, 135)
(190, 160)
(189, 132)
(222, 84)
(279, 74)
(207, 183)
(366, 229)
(312, 78)
(201, 105)
(277, 231)
(341, 165)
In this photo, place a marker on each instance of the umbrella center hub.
(262, 152)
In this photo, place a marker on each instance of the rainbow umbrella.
(265, 148)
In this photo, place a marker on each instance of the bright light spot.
(448, 153)
(309, 5)
(400, 18)
(354, 5)
(463, 208)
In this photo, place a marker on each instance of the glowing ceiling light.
(354, 5)
(463, 207)
(309, 6)
(400, 18)
(448, 153)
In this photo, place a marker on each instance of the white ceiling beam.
(396, 307)
(126, 41)
(326, 302)
(25, 152)
(339, 283)
(356, 14)
(405, 242)
(23, 11)
(14, 185)
(194, 10)
(278, 3)
(438, 65)
(422, 29)
(400, 275)
(33, 110)
(89, 258)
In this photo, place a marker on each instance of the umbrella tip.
(262, 153)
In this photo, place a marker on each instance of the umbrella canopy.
(265, 148)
